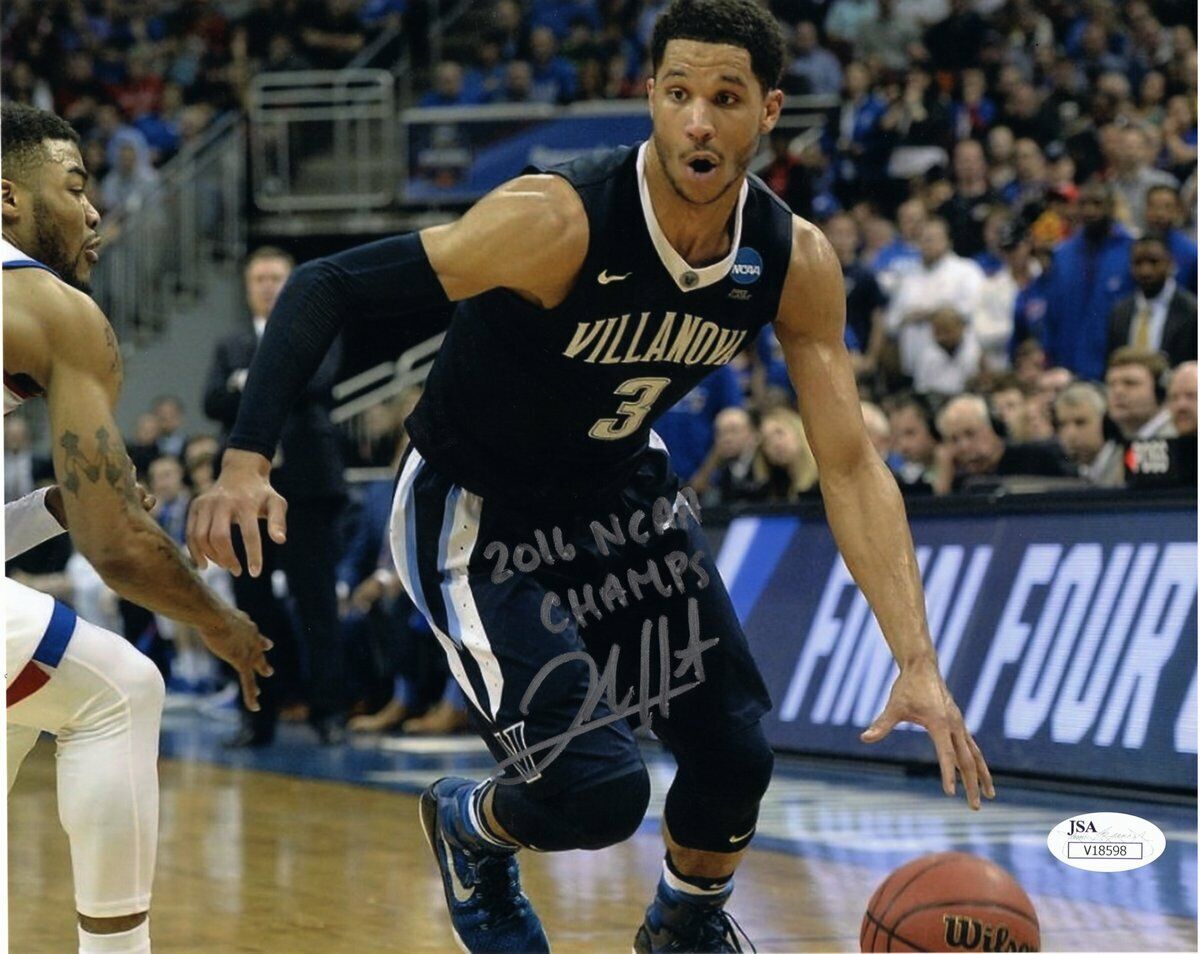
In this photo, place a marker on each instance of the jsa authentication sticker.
(1106, 841)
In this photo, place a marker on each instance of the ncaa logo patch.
(747, 267)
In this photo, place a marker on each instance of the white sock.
(695, 891)
(135, 941)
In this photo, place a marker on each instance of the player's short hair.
(23, 134)
(265, 252)
(741, 23)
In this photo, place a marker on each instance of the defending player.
(91, 688)
(590, 300)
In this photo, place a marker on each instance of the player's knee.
(143, 686)
(751, 764)
(609, 813)
(713, 803)
(736, 765)
(591, 817)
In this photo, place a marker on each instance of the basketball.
(950, 901)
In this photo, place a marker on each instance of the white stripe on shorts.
(403, 533)
(460, 532)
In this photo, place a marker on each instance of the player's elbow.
(322, 279)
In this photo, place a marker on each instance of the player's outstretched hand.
(241, 496)
(920, 695)
(237, 640)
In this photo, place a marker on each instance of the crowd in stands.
(142, 79)
(1009, 185)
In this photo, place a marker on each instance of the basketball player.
(592, 297)
(91, 688)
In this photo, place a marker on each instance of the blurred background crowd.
(1009, 185)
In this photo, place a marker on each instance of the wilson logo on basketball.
(971, 934)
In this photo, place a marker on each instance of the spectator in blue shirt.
(901, 255)
(854, 141)
(1163, 214)
(687, 428)
(1088, 275)
(974, 111)
(448, 87)
(553, 77)
(484, 82)
(1029, 314)
(518, 84)
(814, 67)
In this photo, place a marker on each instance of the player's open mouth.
(701, 167)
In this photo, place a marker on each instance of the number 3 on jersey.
(645, 392)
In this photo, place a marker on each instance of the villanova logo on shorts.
(747, 267)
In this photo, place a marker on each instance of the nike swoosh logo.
(737, 838)
(604, 278)
(462, 894)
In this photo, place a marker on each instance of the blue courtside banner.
(457, 155)
(1069, 640)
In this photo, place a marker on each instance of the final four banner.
(1069, 640)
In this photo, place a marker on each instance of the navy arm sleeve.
(375, 282)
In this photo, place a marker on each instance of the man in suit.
(309, 465)
(1161, 314)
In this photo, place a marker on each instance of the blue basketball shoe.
(679, 922)
(488, 911)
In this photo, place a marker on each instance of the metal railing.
(385, 380)
(360, 398)
(322, 139)
(159, 256)
(333, 141)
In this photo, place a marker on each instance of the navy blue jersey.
(553, 407)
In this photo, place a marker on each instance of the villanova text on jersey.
(548, 408)
(692, 341)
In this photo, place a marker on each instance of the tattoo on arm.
(114, 350)
(109, 462)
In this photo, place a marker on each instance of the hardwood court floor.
(257, 862)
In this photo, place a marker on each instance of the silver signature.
(603, 685)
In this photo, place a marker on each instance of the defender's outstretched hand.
(238, 641)
(919, 695)
(241, 496)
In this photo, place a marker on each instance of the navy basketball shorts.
(566, 634)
